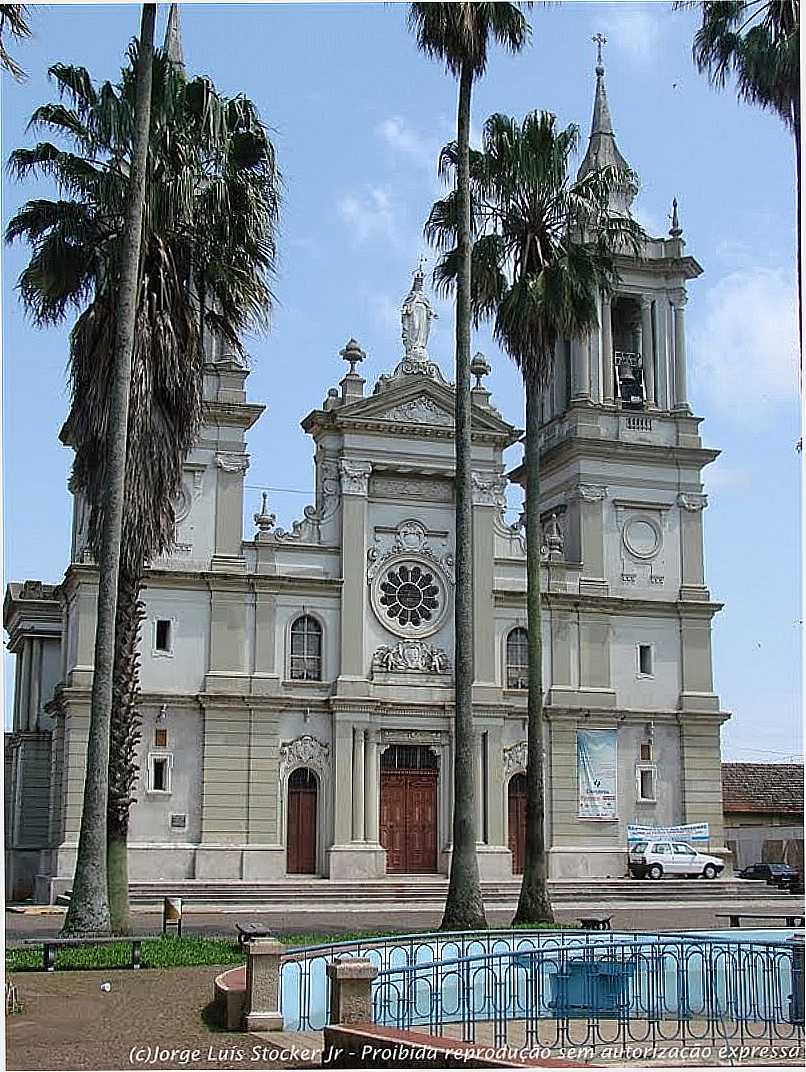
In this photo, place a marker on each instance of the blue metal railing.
(602, 991)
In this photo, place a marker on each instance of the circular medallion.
(409, 596)
(642, 537)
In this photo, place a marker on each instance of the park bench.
(793, 919)
(51, 945)
(248, 931)
(596, 923)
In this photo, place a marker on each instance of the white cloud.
(370, 215)
(744, 350)
(632, 29)
(400, 137)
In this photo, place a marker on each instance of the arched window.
(306, 649)
(518, 659)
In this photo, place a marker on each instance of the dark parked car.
(773, 874)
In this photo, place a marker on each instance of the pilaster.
(488, 496)
(354, 487)
(590, 505)
(230, 469)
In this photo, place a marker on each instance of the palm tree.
(758, 42)
(14, 20)
(544, 249)
(459, 35)
(207, 260)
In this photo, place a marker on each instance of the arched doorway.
(516, 793)
(301, 833)
(408, 826)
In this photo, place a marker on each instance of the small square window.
(646, 751)
(645, 660)
(159, 773)
(160, 737)
(163, 635)
(645, 784)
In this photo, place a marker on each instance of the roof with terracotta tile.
(763, 787)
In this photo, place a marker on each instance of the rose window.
(410, 594)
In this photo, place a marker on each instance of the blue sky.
(357, 116)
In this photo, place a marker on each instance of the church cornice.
(239, 414)
(573, 601)
(576, 446)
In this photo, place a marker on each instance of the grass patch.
(168, 952)
(161, 952)
(190, 952)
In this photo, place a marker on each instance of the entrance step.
(417, 893)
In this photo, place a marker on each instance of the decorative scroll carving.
(591, 492)
(354, 477)
(691, 502)
(515, 758)
(410, 655)
(307, 530)
(411, 537)
(420, 410)
(489, 490)
(231, 462)
(304, 751)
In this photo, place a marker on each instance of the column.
(607, 349)
(479, 786)
(580, 366)
(371, 787)
(680, 392)
(342, 781)
(647, 350)
(358, 783)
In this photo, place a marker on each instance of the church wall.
(183, 669)
(636, 692)
(151, 816)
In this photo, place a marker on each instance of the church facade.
(297, 689)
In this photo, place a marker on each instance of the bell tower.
(629, 611)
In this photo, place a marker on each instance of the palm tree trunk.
(89, 906)
(124, 739)
(464, 908)
(534, 905)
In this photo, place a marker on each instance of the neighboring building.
(763, 808)
(297, 686)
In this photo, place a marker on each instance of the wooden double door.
(516, 795)
(408, 826)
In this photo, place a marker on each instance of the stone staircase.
(415, 893)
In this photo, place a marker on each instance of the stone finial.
(479, 367)
(264, 520)
(675, 230)
(353, 353)
(554, 539)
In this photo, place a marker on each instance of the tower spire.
(602, 148)
(173, 37)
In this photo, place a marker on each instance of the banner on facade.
(690, 832)
(596, 774)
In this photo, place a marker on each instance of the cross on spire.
(599, 39)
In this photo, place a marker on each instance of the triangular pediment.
(419, 401)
